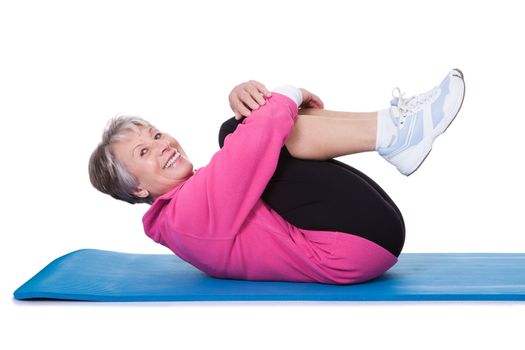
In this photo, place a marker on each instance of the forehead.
(129, 138)
(134, 132)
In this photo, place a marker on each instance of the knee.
(227, 128)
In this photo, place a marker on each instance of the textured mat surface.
(98, 275)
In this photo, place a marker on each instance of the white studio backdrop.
(67, 67)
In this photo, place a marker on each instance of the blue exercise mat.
(97, 275)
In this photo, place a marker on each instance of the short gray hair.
(106, 173)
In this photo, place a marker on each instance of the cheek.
(143, 169)
(151, 166)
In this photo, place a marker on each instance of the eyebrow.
(140, 144)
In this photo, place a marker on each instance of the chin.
(186, 172)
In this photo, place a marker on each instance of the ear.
(140, 192)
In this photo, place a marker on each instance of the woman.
(272, 204)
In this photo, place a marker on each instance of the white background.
(67, 67)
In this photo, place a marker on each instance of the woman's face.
(149, 156)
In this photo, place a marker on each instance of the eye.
(158, 136)
(143, 151)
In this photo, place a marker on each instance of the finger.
(243, 110)
(247, 99)
(316, 101)
(234, 99)
(256, 95)
(314, 104)
(237, 116)
(262, 89)
(259, 97)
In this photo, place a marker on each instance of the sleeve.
(218, 198)
(292, 92)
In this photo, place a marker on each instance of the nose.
(164, 146)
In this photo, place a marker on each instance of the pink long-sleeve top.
(217, 222)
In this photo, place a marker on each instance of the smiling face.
(156, 159)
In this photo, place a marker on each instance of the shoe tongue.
(394, 113)
(394, 101)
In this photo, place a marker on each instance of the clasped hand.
(249, 95)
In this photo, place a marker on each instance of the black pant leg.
(372, 183)
(227, 128)
(330, 195)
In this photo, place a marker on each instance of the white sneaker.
(422, 118)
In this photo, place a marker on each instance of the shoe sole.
(462, 99)
(448, 125)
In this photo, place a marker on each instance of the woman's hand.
(246, 97)
(310, 100)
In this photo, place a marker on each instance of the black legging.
(330, 195)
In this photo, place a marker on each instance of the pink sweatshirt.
(217, 222)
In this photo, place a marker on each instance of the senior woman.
(273, 204)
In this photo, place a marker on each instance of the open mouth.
(176, 155)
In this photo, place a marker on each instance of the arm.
(218, 198)
(249, 95)
(231, 124)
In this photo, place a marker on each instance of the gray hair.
(106, 173)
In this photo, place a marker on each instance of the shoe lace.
(403, 107)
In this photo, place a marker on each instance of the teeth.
(172, 160)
